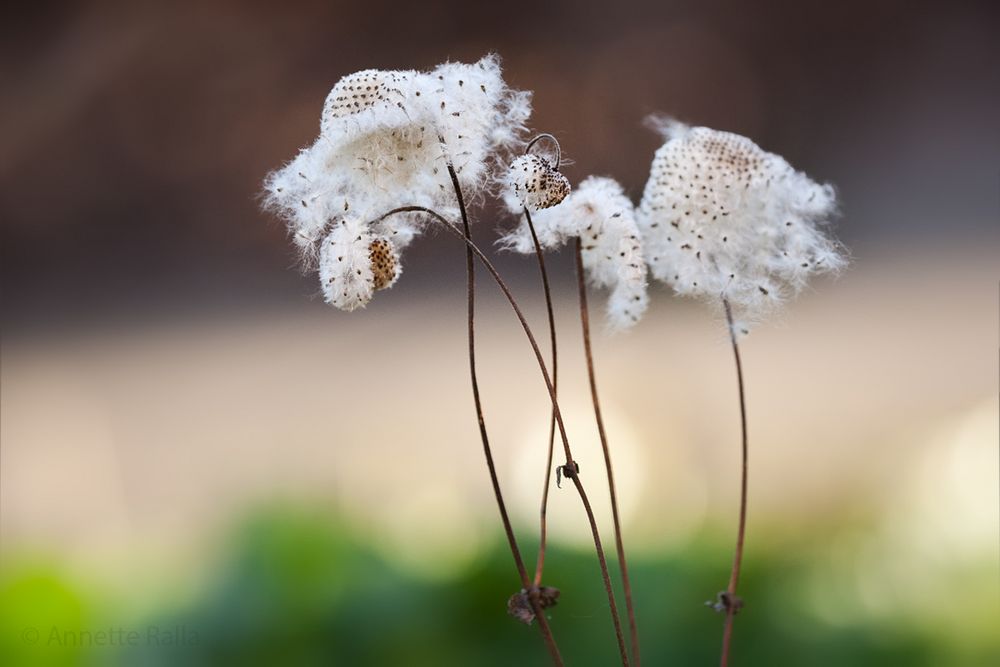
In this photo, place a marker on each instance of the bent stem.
(555, 386)
(570, 469)
(547, 137)
(731, 603)
(619, 545)
(531, 591)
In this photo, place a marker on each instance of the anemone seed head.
(535, 184)
(722, 218)
(386, 140)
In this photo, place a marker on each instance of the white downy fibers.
(722, 218)
(386, 140)
(599, 213)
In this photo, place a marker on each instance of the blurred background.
(197, 450)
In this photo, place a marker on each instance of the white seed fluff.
(345, 266)
(603, 217)
(535, 184)
(722, 218)
(386, 140)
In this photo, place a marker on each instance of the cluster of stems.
(531, 586)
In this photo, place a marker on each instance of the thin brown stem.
(540, 565)
(732, 603)
(470, 267)
(570, 468)
(619, 545)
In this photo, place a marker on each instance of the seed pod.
(536, 184)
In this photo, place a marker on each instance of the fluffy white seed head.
(386, 140)
(720, 217)
(535, 184)
(600, 214)
(478, 117)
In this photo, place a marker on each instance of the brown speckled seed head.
(536, 184)
(385, 266)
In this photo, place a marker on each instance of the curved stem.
(470, 267)
(549, 137)
(619, 545)
(540, 565)
(570, 468)
(733, 603)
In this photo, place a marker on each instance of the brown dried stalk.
(570, 469)
(728, 600)
(619, 545)
(544, 508)
(531, 591)
(543, 512)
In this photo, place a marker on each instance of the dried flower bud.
(724, 601)
(385, 263)
(536, 184)
(519, 604)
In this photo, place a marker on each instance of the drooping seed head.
(536, 184)
(387, 139)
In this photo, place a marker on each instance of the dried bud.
(724, 601)
(519, 604)
(536, 184)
